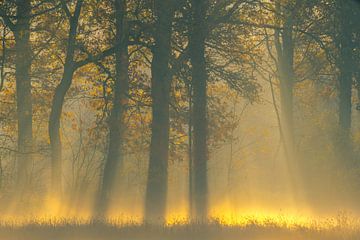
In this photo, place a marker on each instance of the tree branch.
(7, 20)
(93, 59)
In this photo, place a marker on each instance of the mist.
(193, 119)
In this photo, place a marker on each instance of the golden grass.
(259, 226)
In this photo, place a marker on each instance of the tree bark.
(199, 117)
(156, 191)
(120, 99)
(23, 91)
(58, 102)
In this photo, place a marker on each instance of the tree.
(345, 60)
(199, 116)
(284, 44)
(155, 202)
(59, 97)
(21, 31)
(70, 66)
(120, 99)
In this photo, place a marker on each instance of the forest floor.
(333, 230)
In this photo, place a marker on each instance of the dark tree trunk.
(343, 39)
(199, 80)
(54, 129)
(356, 42)
(284, 44)
(120, 99)
(156, 191)
(285, 66)
(345, 63)
(23, 91)
(58, 102)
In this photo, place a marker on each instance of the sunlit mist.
(180, 119)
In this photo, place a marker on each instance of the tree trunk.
(54, 130)
(23, 92)
(58, 102)
(156, 191)
(284, 44)
(285, 68)
(120, 99)
(190, 154)
(343, 37)
(199, 78)
(345, 63)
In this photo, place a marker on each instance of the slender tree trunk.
(23, 91)
(357, 80)
(190, 153)
(58, 102)
(284, 44)
(199, 78)
(120, 99)
(156, 192)
(287, 103)
(54, 130)
(3, 57)
(285, 66)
